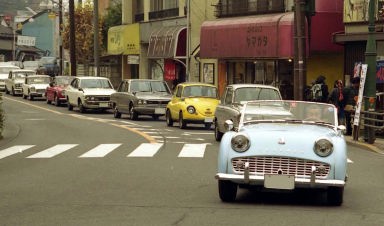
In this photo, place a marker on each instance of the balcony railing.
(164, 13)
(230, 8)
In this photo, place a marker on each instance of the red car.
(55, 91)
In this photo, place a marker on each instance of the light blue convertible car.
(284, 145)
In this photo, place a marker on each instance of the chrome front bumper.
(246, 178)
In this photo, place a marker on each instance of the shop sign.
(133, 59)
(124, 40)
(26, 40)
(169, 70)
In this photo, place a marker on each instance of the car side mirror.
(228, 125)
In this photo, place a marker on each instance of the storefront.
(167, 54)
(124, 44)
(255, 49)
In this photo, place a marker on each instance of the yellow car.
(193, 103)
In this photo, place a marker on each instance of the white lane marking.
(55, 150)
(349, 161)
(146, 150)
(14, 150)
(100, 151)
(193, 151)
(35, 119)
(196, 133)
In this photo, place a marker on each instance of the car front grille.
(261, 165)
(41, 91)
(102, 98)
(159, 102)
(18, 85)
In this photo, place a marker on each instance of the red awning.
(262, 36)
(167, 43)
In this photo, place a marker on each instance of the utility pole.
(370, 82)
(300, 64)
(72, 39)
(61, 37)
(188, 60)
(96, 50)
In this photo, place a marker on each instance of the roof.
(23, 70)
(90, 77)
(39, 76)
(143, 80)
(236, 86)
(196, 84)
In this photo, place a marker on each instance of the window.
(157, 5)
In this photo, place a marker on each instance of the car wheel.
(81, 107)
(218, 134)
(156, 117)
(335, 196)
(182, 123)
(48, 100)
(70, 107)
(132, 113)
(168, 118)
(227, 190)
(116, 113)
(207, 125)
(57, 101)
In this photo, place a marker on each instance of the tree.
(84, 31)
(112, 18)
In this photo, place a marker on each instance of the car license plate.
(277, 181)
(208, 119)
(160, 111)
(103, 105)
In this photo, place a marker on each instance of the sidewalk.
(377, 146)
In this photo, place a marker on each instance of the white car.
(15, 80)
(89, 93)
(4, 72)
(35, 86)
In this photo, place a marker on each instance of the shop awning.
(168, 43)
(262, 36)
(341, 37)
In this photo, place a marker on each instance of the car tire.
(227, 190)
(132, 113)
(48, 101)
(69, 106)
(168, 118)
(335, 196)
(81, 107)
(182, 123)
(207, 126)
(57, 101)
(218, 134)
(155, 117)
(116, 113)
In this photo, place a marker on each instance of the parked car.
(49, 66)
(141, 97)
(193, 103)
(4, 72)
(18, 64)
(266, 152)
(233, 99)
(35, 86)
(15, 80)
(89, 93)
(55, 92)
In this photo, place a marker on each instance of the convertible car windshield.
(293, 111)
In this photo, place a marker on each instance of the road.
(60, 167)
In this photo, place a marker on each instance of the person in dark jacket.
(350, 95)
(319, 90)
(336, 97)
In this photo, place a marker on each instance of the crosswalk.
(101, 150)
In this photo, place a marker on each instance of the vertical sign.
(356, 119)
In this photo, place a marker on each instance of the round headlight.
(240, 142)
(191, 109)
(323, 147)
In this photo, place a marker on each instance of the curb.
(363, 145)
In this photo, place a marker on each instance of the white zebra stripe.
(51, 152)
(146, 150)
(14, 150)
(192, 151)
(100, 151)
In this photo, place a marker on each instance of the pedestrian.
(336, 97)
(350, 95)
(319, 90)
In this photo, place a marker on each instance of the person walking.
(350, 94)
(319, 90)
(336, 97)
